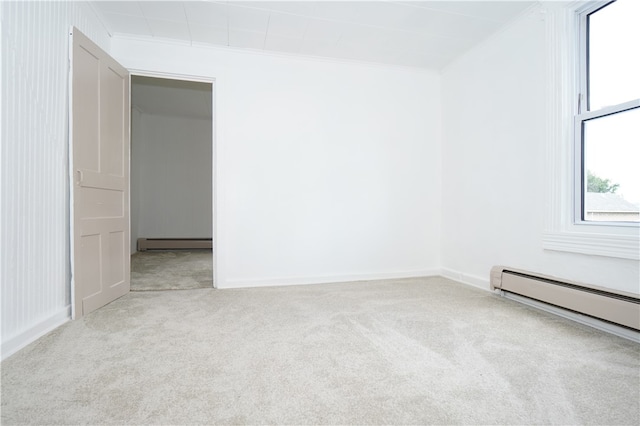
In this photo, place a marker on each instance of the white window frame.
(584, 114)
(562, 232)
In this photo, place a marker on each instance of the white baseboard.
(472, 280)
(325, 279)
(19, 341)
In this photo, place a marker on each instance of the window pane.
(614, 61)
(612, 167)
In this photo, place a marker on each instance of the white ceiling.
(425, 34)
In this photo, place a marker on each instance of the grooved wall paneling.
(34, 161)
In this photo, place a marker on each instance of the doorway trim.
(214, 172)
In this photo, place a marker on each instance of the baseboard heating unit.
(616, 307)
(145, 244)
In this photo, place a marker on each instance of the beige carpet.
(171, 270)
(414, 351)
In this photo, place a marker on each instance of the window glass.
(611, 180)
(614, 54)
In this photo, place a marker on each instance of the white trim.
(468, 279)
(171, 76)
(625, 106)
(70, 177)
(328, 279)
(30, 335)
(561, 233)
(620, 246)
(579, 175)
(574, 316)
(561, 85)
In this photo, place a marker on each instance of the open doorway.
(171, 184)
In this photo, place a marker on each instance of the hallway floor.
(155, 270)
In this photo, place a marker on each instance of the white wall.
(494, 194)
(325, 171)
(171, 169)
(34, 252)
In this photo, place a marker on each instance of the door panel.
(112, 125)
(100, 164)
(86, 71)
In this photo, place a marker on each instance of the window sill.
(618, 246)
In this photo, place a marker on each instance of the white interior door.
(100, 113)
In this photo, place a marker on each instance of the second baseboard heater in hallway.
(617, 307)
(145, 244)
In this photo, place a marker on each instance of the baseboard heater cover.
(145, 244)
(618, 307)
